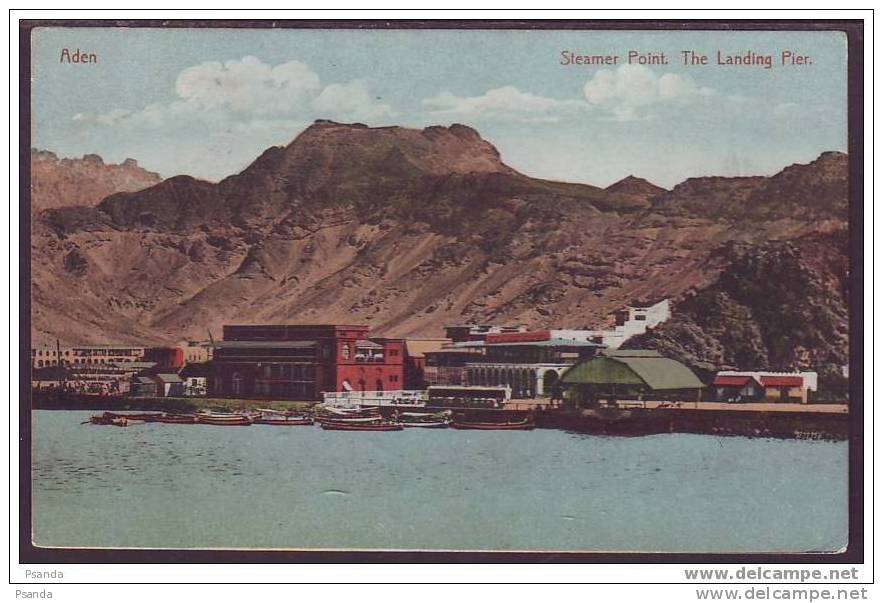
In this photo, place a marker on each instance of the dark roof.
(50, 373)
(550, 343)
(197, 369)
(265, 344)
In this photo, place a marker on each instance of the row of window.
(54, 353)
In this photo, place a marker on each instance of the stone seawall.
(809, 425)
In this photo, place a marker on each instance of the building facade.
(781, 387)
(300, 362)
(84, 355)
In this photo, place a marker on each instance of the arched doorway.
(551, 387)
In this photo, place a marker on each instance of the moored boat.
(331, 412)
(110, 419)
(463, 423)
(361, 426)
(179, 419)
(438, 420)
(223, 419)
(272, 417)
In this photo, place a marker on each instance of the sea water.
(157, 485)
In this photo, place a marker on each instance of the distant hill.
(82, 182)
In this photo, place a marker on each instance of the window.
(640, 317)
(345, 351)
(394, 378)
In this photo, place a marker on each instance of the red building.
(165, 358)
(300, 362)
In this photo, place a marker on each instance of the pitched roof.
(169, 378)
(731, 380)
(662, 373)
(654, 371)
(776, 381)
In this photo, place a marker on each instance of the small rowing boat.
(270, 417)
(423, 420)
(525, 423)
(111, 419)
(178, 419)
(361, 426)
(223, 419)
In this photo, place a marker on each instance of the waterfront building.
(170, 359)
(781, 386)
(630, 374)
(195, 351)
(78, 355)
(416, 351)
(530, 363)
(196, 378)
(300, 362)
(737, 388)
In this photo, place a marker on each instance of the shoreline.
(786, 423)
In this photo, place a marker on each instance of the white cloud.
(242, 90)
(248, 85)
(353, 99)
(224, 114)
(507, 103)
(628, 89)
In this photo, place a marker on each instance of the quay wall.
(814, 423)
(633, 422)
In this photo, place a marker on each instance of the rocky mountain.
(82, 182)
(780, 305)
(408, 230)
(634, 192)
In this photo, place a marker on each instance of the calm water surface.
(195, 486)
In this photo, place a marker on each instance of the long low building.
(630, 374)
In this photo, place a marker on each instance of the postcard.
(573, 288)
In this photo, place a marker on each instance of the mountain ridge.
(388, 227)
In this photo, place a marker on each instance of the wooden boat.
(179, 419)
(525, 423)
(424, 420)
(224, 419)
(361, 426)
(352, 421)
(109, 419)
(426, 424)
(347, 413)
(281, 418)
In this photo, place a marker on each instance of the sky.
(207, 102)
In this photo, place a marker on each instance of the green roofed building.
(630, 374)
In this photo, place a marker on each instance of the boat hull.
(178, 419)
(361, 426)
(287, 422)
(225, 422)
(427, 425)
(524, 425)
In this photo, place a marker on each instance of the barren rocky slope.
(82, 182)
(407, 230)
